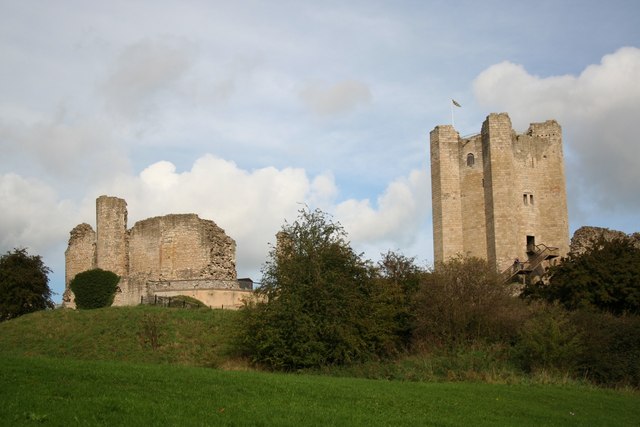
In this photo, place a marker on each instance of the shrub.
(611, 348)
(606, 277)
(94, 288)
(463, 301)
(549, 341)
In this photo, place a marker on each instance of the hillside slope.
(142, 334)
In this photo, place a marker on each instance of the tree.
(94, 288)
(463, 300)
(318, 304)
(606, 276)
(398, 279)
(24, 284)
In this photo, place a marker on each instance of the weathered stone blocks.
(497, 192)
(174, 250)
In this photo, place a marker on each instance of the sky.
(245, 112)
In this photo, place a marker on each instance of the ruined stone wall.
(509, 187)
(181, 247)
(584, 237)
(218, 298)
(80, 256)
(167, 248)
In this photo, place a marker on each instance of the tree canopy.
(606, 277)
(318, 304)
(24, 284)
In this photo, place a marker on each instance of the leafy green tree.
(463, 300)
(94, 288)
(606, 277)
(398, 278)
(24, 284)
(318, 304)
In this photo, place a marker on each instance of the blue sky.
(244, 111)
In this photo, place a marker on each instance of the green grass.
(142, 334)
(58, 392)
(146, 366)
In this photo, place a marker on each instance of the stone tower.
(500, 196)
(111, 235)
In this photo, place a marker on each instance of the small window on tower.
(531, 199)
(470, 159)
(525, 199)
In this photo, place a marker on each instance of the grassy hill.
(146, 366)
(143, 334)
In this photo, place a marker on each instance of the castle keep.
(158, 257)
(500, 196)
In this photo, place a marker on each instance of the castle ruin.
(500, 196)
(158, 257)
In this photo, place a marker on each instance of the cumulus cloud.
(598, 110)
(252, 205)
(341, 97)
(400, 211)
(36, 217)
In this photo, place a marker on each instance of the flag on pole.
(455, 103)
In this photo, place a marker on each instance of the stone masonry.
(584, 238)
(165, 256)
(498, 195)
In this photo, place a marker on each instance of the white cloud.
(400, 211)
(340, 97)
(252, 205)
(598, 110)
(33, 215)
(60, 146)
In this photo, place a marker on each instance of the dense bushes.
(319, 303)
(94, 288)
(605, 277)
(463, 301)
(601, 288)
(548, 340)
(610, 348)
(322, 306)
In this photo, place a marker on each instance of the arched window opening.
(470, 159)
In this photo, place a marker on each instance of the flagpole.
(452, 123)
(453, 103)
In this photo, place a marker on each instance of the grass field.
(59, 392)
(142, 334)
(152, 366)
